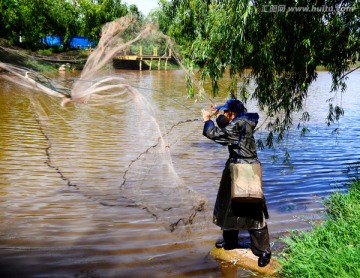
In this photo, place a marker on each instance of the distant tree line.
(25, 22)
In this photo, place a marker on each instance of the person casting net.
(235, 129)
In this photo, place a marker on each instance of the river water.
(71, 205)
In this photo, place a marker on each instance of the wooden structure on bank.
(140, 57)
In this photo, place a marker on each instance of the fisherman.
(237, 134)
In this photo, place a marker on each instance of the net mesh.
(150, 175)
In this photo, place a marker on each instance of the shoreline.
(331, 248)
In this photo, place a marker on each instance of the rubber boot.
(231, 239)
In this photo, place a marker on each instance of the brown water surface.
(81, 194)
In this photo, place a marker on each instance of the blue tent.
(80, 42)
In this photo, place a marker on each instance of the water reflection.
(90, 229)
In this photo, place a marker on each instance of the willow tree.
(281, 41)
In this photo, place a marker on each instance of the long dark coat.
(238, 135)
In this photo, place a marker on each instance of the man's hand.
(214, 111)
(205, 115)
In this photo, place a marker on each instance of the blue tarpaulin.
(75, 42)
(80, 42)
(52, 40)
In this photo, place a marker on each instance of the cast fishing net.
(145, 176)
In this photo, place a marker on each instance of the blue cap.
(233, 105)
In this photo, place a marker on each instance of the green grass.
(39, 66)
(332, 248)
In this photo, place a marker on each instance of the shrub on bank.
(332, 248)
